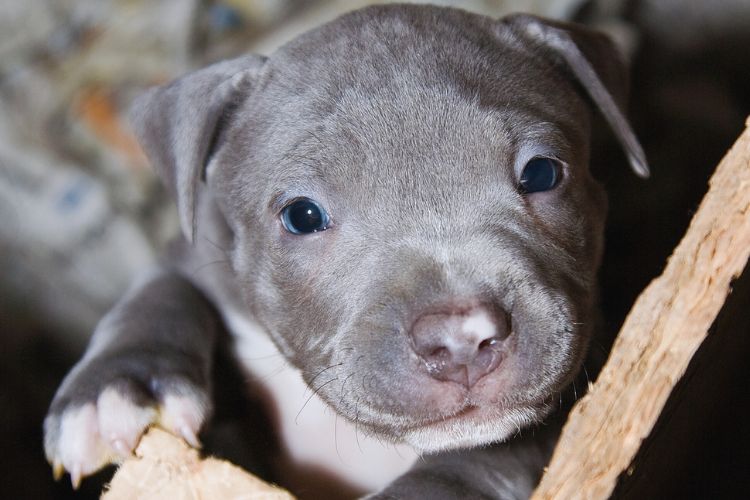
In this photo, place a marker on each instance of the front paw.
(108, 401)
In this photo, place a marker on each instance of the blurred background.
(81, 212)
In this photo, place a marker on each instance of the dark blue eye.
(304, 216)
(540, 174)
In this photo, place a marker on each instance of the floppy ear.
(595, 62)
(178, 123)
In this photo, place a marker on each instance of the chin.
(473, 428)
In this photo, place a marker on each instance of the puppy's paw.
(104, 406)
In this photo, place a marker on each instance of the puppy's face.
(415, 223)
(413, 217)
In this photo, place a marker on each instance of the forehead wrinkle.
(303, 163)
(418, 124)
(544, 122)
(547, 132)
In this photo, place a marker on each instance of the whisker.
(200, 268)
(296, 418)
(598, 345)
(336, 436)
(343, 385)
(215, 245)
(267, 376)
(585, 372)
(260, 358)
(356, 426)
(312, 382)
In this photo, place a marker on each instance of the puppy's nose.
(461, 344)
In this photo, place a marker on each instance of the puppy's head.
(414, 219)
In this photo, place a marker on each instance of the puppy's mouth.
(470, 423)
(473, 426)
(470, 411)
(467, 412)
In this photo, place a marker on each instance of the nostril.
(504, 324)
(439, 353)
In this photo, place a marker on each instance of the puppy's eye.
(304, 216)
(540, 174)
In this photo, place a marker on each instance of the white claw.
(121, 421)
(75, 475)
(189, 436)
(123, 449)
(57, 470)
(184, 416)
(79, 447)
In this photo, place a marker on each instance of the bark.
(665, 327)
(164, 466)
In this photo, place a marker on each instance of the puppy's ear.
(594, 61)
(178, 123)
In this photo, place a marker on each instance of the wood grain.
(665, 327)
(165, 467)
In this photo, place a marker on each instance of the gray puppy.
(404, 200)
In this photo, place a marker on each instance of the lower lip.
(462, 414)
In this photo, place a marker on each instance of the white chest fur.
(312, 432)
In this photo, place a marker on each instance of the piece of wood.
(665, 327)
(165, 467)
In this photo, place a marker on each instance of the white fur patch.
(121, 420)
(79, 448)
(183, 415)
(84, 439)
(311, 431)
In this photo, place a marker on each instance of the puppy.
(404, 203)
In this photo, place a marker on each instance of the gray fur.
(410, 125)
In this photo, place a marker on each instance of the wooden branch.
(165, 467)
(665, 327)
